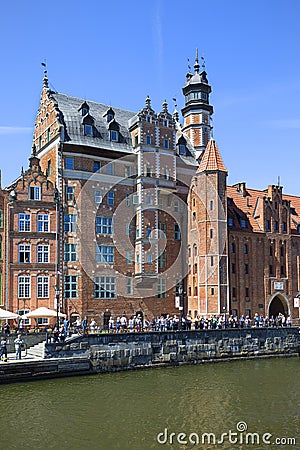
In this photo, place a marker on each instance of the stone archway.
(278, 305)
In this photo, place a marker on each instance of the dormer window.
(110, 115)
(165, 123)
(88, 123)
(148, 119)
(88, 130)
(182, 149)
(114, 135)
(84, 108)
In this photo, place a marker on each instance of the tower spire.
(45, 79)
(196, 65)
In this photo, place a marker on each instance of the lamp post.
(57, 305)
(181, 293)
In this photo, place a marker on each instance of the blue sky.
(119, 52)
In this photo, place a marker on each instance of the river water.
(138, 410)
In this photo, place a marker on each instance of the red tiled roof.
(211, 159)
(245, 206)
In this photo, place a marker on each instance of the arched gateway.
(278, 304)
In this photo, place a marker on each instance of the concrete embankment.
(124, 351)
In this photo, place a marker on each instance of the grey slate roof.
(74, 129)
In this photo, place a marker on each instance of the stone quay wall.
(123, 351)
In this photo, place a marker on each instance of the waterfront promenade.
(110, 352)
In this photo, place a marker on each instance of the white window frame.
(24, 253)
(42, 286)
(24, 286)
(42, 253)
(98, 196)
(43, 223)
(34, 193)
(24, 222)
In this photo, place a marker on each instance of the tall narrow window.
(24, 222)
(43, 253)
(24, 253)
(43, 223)
(98, 196)
(35, 193)
(23, 286)
(97, 166)
(69, 163)
(114, 135)
(161, 288)
(42, 284)
(1, 218)
(128, 285)
(70, 252)
(70, 223)
(88, 130)
(111, 198)
(177, 234)
(71, 286)
(70, 195)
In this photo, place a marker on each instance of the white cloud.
(15, 130)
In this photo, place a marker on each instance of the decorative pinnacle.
(196, 65)
(176, 115)
(45, 79)
(148, 102)
(165, 106)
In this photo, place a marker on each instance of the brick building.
(122, 180)
(125, 211)
(243, 245)
(31, 236)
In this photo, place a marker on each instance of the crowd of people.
(136, 323)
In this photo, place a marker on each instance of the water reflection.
(127, 410)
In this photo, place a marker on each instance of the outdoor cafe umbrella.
(5, 315)
(43, 312)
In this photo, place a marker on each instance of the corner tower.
(197, 111)
(208, 278)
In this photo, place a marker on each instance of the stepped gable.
(248, 202)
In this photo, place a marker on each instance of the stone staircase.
(37, 350)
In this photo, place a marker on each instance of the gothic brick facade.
(126, 211)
